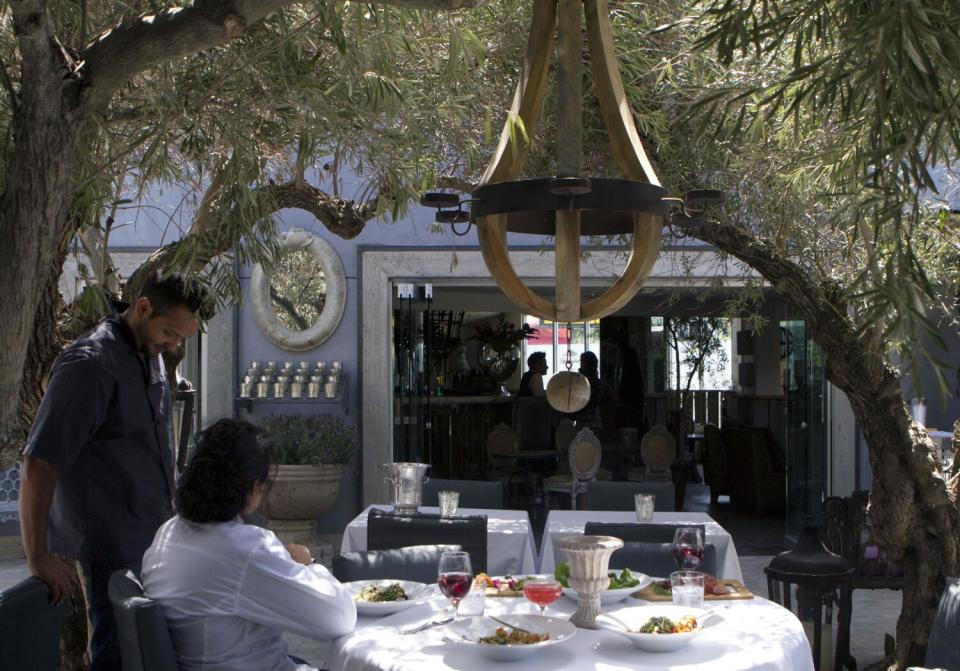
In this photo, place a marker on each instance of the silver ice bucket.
(407, 481)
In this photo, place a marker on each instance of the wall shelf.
(247, 402)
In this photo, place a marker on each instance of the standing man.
(98, 467)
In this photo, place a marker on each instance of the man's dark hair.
(173, 290)
(532, 359)
(230, 458)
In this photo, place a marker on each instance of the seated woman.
(229, 589)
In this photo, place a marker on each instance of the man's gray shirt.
(103, 423)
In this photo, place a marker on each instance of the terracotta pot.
(302, 492)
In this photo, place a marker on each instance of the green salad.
(622, 580)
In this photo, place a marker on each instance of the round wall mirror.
(299, 303)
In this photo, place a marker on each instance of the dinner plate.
(635, 617)
(609, 596)
(468, 631)
(414, 590)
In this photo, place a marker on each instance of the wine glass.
(688, 548)
(542, 592)
(455, 576)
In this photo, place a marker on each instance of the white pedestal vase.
(589, 558)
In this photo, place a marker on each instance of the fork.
(427, 625)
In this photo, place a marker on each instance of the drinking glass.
(688, 548)
(687, 588)
(542, 592)
(448, 503)
(455, 576)
(644, 504)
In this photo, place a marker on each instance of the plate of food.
(510, 638)
(508, 585)
(659, 628)
(622, 584)
(382, 597)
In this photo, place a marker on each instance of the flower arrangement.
(310, 439)
(504, 336)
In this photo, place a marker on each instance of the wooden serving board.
(734, 590)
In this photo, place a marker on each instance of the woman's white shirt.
(229, 589)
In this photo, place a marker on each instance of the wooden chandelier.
(570, 205)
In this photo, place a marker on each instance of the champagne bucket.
(407, 479)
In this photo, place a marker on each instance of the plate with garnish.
(659, 628)
(510, 638)
(382, 597)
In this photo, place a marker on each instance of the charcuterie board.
(728, 590)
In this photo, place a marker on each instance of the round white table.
(756, 634)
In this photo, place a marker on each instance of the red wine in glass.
(455, 577)
(455, 585)
(688, 548)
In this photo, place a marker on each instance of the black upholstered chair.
(943, 651)
(648, 547)
(387, 531)
(656, 559)
(619, 495)
(29, 627)
(473, 493)
(145, 643)
(416, 562)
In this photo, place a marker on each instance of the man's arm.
(37, 482)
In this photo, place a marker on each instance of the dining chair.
(603, 495)
(583, 456)
(473, 493)
(388, 531)
(656, 559)
(29, 627)
(145, 643)
(658, 449)
(414, 562)
(649, 547)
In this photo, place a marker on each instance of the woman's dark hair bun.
(231, 456)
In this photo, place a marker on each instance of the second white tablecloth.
(510, 544)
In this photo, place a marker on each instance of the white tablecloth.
(560, 522)
(756, 635)
(510, 544)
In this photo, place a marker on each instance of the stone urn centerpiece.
(589, 558)
(310, 452)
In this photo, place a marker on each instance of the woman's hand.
(300, 554)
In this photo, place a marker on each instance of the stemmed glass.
(542, 592)
(688, 548)
(455, 576)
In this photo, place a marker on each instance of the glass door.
(805, 387)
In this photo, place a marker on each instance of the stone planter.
(589, 557)
(298, 496)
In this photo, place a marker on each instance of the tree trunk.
(33, 222)
(915, 510)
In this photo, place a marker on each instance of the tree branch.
(118, 55)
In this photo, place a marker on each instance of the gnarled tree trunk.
(915, 509)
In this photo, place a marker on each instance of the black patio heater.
(815, 574)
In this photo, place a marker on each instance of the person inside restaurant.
(228, 589)
(531, 383)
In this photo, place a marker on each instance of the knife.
(426, 625)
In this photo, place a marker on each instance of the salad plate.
(383, 597)
(503, 640)
(623, 584)
(660, 628)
